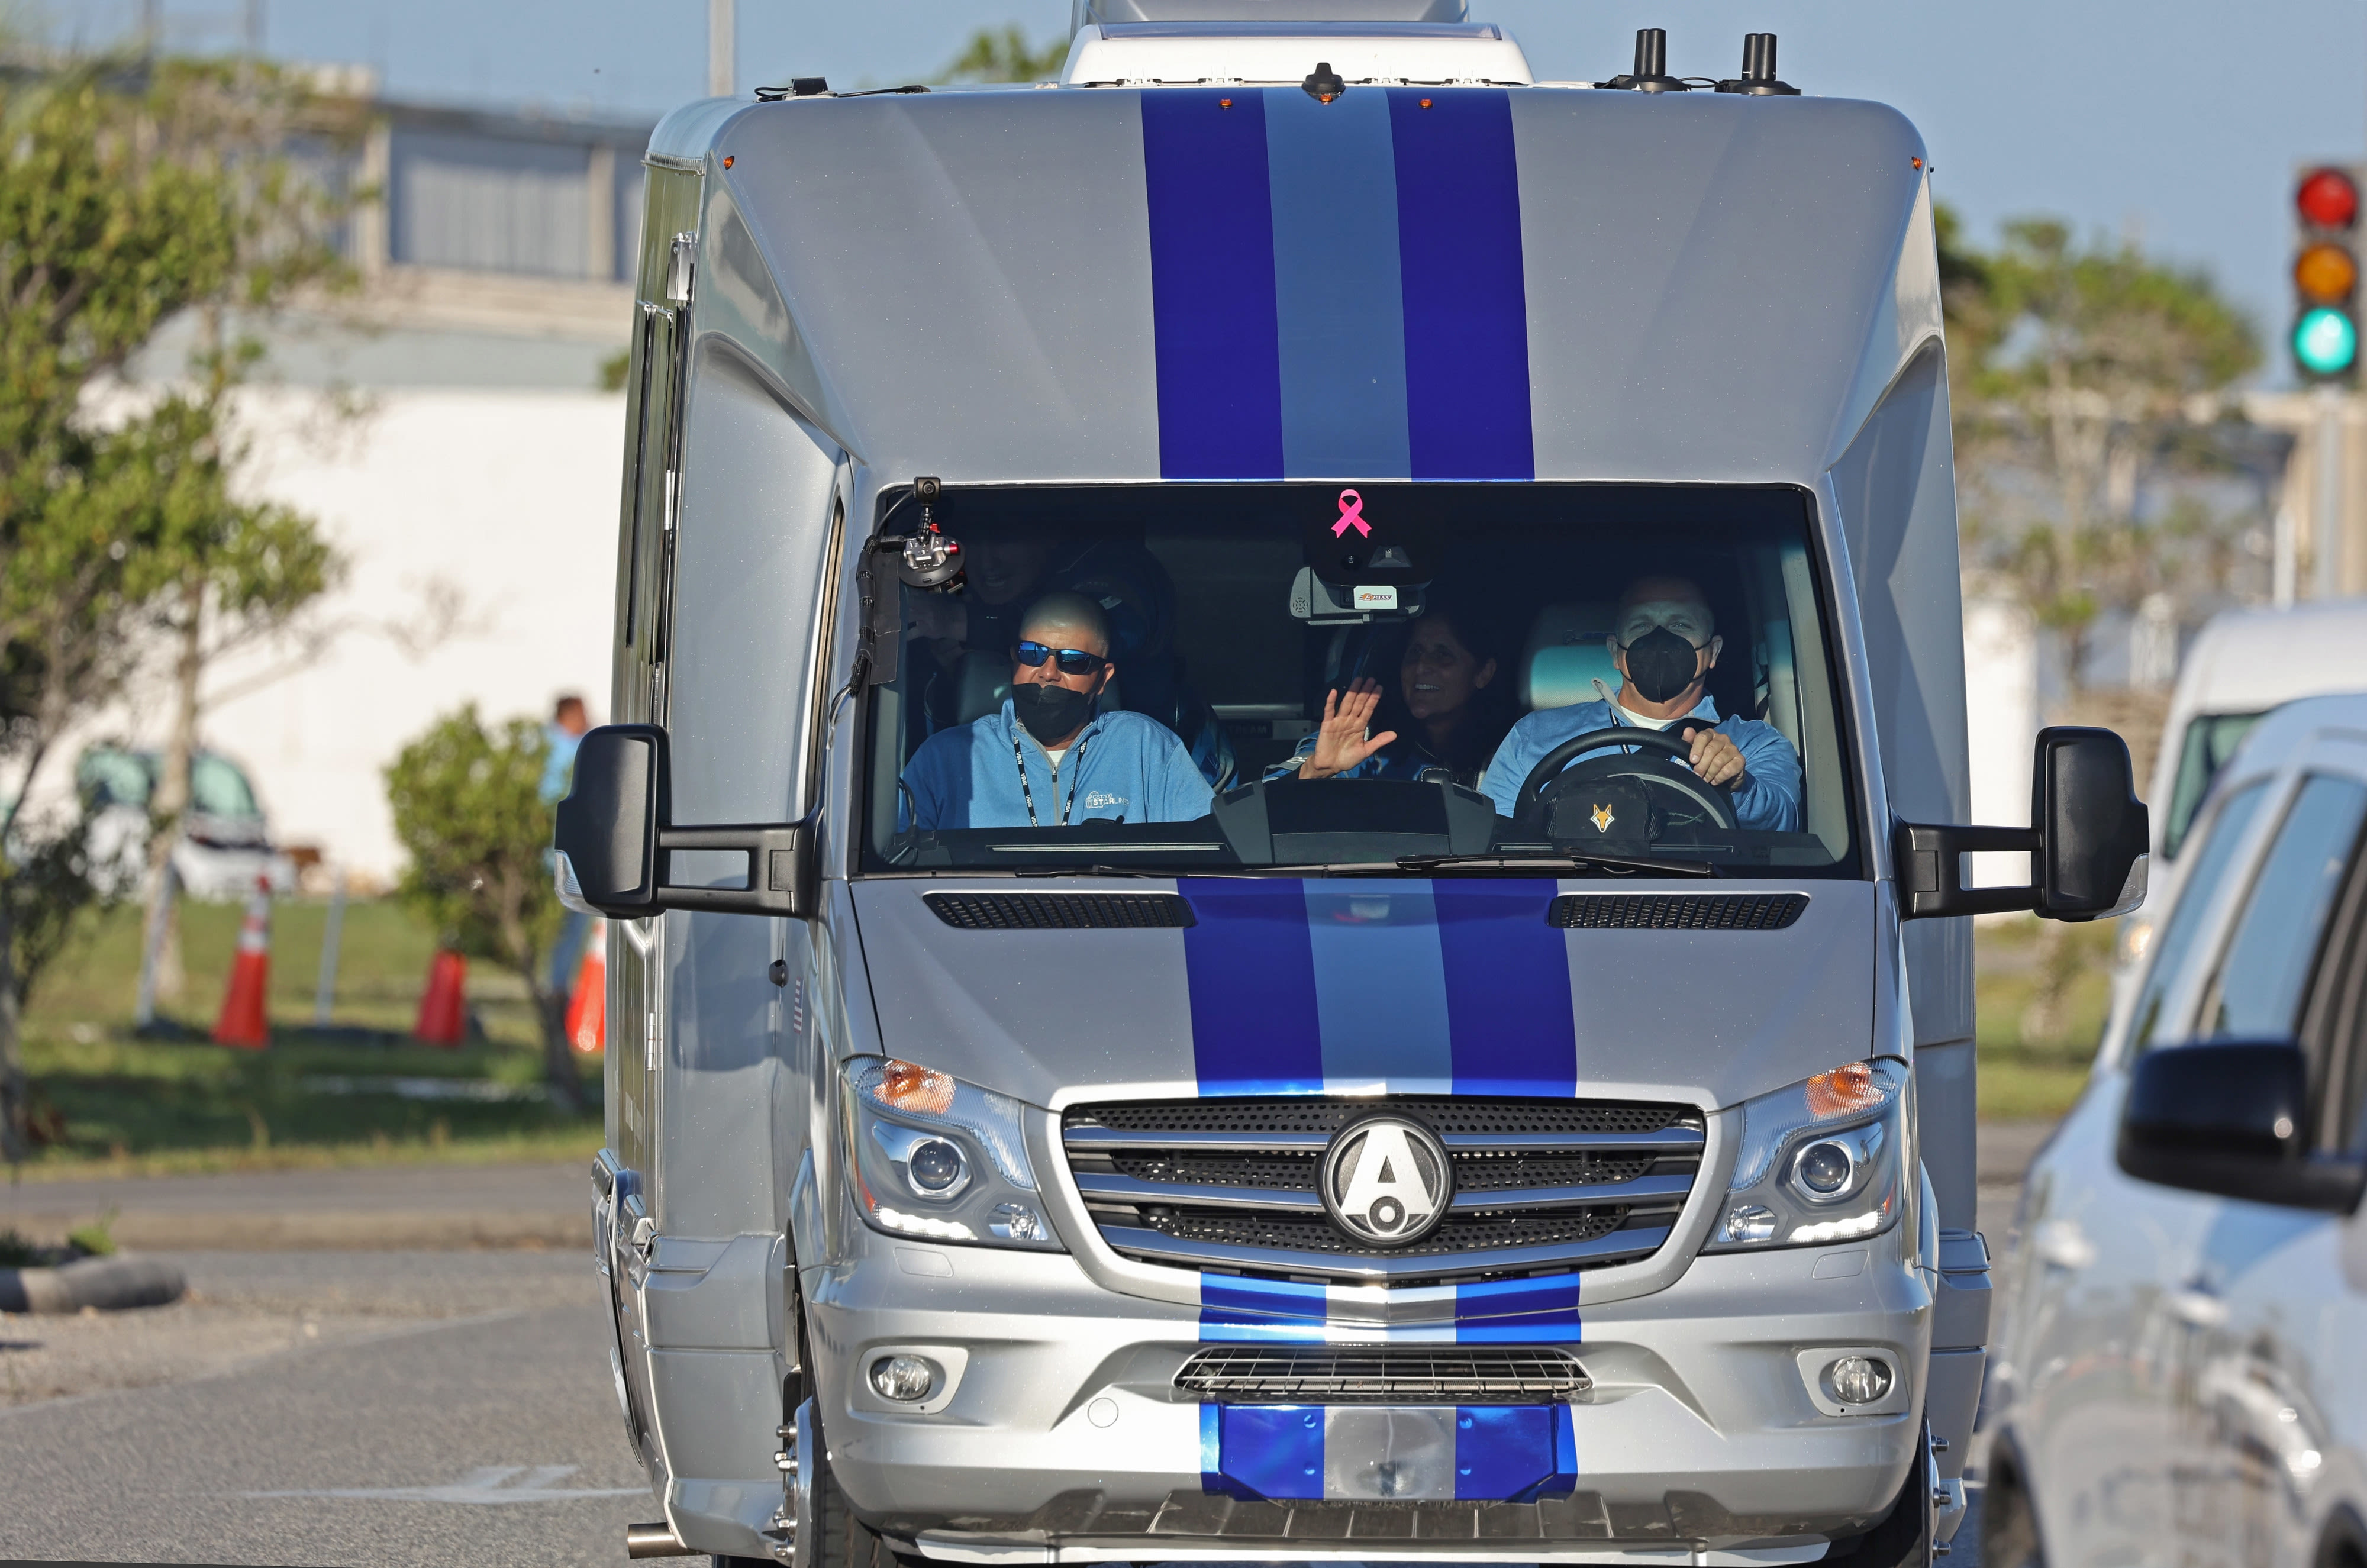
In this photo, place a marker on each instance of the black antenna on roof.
(1757, 77)
(1652, 73)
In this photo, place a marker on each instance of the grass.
(121, 1105)
(109, 1102)
(2036, 1075)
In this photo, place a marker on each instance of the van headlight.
(940, 1159)
(1820, 1161)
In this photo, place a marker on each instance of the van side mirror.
(2231, 1118)
(616, 840)
(2087, 840)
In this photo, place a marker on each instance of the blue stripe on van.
(1380, 987)
(1234, 1309)
(1338, 296)
(1466, 324)
(1212, 285)
(1251, 975)
(1518, 1312)
(1507, 974)
(1269, 1451)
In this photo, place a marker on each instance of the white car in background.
(225, 840)
(2180, 1377)
(2241, 664)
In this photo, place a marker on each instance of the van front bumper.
(1055, 1430)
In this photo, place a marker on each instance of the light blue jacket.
(1131, 768)
(1768, 798)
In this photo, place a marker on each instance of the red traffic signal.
(2329, 198)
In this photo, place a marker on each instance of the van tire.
(840, 1540)
(2009, 1537)
(1903, 1538)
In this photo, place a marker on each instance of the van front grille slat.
(1234, 1184)
(1383, 1374)
(1677, 911)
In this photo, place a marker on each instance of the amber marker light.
(1843, 1091)
(906, 1087)
(727, 160)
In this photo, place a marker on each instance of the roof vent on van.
(1652, 73)
(1092, 13)
(1757, 76)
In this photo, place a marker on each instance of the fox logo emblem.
(1603, 819)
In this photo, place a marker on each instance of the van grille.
(1677, 911)
(1541, 1185)
(1383, 1374)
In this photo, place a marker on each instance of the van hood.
(1366, 987)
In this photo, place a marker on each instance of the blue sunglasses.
(1070, 660)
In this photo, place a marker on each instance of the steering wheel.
(1666, 773)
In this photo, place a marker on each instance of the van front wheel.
(1903, 1539)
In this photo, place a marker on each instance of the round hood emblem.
(1387, 1182)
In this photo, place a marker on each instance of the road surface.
(371, 1405)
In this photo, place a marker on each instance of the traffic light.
(2326, 275)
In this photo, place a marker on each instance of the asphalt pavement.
(371, 1405)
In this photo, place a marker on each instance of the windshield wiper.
(1614, 866)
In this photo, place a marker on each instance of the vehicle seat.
(980, 684)
(1566, 655)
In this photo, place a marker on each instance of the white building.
(473, 494)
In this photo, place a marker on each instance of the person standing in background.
(562, 736)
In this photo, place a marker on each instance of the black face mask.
(1050, 713)
(1661, 664)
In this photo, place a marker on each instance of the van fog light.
(908, 1380)
(1856, 1380)
(1749, 1221)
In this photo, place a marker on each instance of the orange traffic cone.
(244, 1020)
(587, 1010)
(443, 1012)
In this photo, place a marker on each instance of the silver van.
(1282, 832)
(2178, 1378)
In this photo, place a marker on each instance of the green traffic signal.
(2326, 340)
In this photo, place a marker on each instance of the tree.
(2075, 372)
(228, 573)
(127, 198)
(468, 811)
(1001, 55)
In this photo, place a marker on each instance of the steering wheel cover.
(1666, 769)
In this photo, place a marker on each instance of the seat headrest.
(1566, 655)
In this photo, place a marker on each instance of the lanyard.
(1076, 770)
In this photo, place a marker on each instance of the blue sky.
(2177, 121)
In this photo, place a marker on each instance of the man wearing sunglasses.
(1048, 759)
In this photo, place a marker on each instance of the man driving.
(1664, 645)
(1047, 759)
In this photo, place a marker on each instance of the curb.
(101, 1284)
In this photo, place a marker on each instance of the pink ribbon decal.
(1352, 511)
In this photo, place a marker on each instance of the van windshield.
(1393, 678)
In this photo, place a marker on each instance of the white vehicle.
(225, 841)
(2176, 1377)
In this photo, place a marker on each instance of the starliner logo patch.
(1387, 1182)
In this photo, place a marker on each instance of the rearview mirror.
(616, 840)
(2087, 840)
(2231, 1118)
